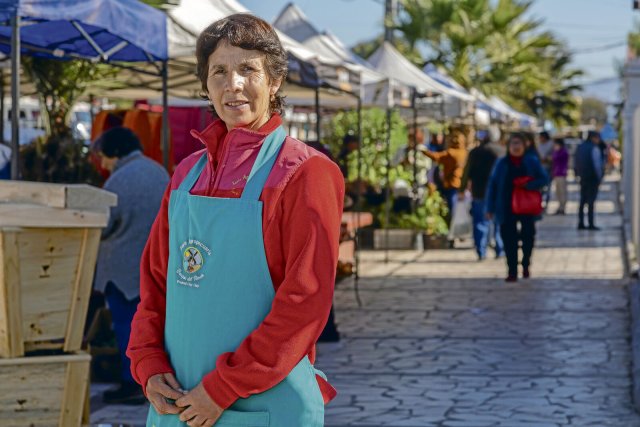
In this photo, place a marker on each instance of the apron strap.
(263, 164)
(193, 175)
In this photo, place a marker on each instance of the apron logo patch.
(192, 261)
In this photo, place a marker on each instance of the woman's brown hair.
(246, 32)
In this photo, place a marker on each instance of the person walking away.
(517, 169)
(545, 150)
(452, 160)
(239, 269)
(589, 168)
(476, 174)
(139, 183)
(559, 171)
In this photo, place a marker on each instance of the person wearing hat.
(589, 168)
(139, 183)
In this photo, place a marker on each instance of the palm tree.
(494, 47)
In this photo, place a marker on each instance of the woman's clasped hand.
(195, 407)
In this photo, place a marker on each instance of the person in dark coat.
(589, 168)
(139, 183)
(560, 167)
(477, 172)
(516, 164)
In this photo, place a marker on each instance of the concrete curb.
(631, 267)
(634, 295)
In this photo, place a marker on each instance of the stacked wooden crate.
(49, 238)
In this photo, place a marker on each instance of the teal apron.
(219, 290)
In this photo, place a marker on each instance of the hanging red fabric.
(525, 201)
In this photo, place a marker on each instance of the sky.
(587, 26)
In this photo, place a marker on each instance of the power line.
(599, 48)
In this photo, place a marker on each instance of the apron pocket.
(243, 419)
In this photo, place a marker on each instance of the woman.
(238, 273)
(507, 171)
(139, 183)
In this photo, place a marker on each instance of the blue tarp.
(494, 114)
(608, 133)
(444, 79)
(49, 25)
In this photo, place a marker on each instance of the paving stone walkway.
(441, 340)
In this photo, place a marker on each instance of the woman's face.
(239, 87)
(517, 147)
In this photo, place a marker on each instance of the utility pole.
(390, 7)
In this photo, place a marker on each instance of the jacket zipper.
(216, 177)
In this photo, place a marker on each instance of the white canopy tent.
(185, 22)
(388, 61)
(377, 88)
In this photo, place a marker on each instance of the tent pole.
(165, 116)
(92, 100)
(387, 199)
(318, 114)
(2, 94)
(358, 204)
(15, 94)
(415, 152)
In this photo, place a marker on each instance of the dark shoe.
(594, 228)
(581, 227)
(499, 255)
(526, 273)
(126, 394)
(559, 212)
(511, 279)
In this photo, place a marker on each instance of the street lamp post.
(538, 101)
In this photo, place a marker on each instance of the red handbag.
(524, 201)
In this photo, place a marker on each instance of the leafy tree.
(593, 109)
(495, 47)
(374, 146)
(59, 84)
(633, 40)
(156, 3)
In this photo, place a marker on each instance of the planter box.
(365, 236)
(398, 239)
(435, 242)
(49, 238)
(43, 391)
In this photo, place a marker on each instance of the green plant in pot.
(428, 217)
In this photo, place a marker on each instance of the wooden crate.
(49, 238)
(397, 239)
(43, 391)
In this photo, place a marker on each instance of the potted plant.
(435, 229)
(427, 219)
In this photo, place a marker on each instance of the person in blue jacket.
(517, 163)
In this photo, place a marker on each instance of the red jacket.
(302, 208)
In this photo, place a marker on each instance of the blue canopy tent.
(113, 31)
